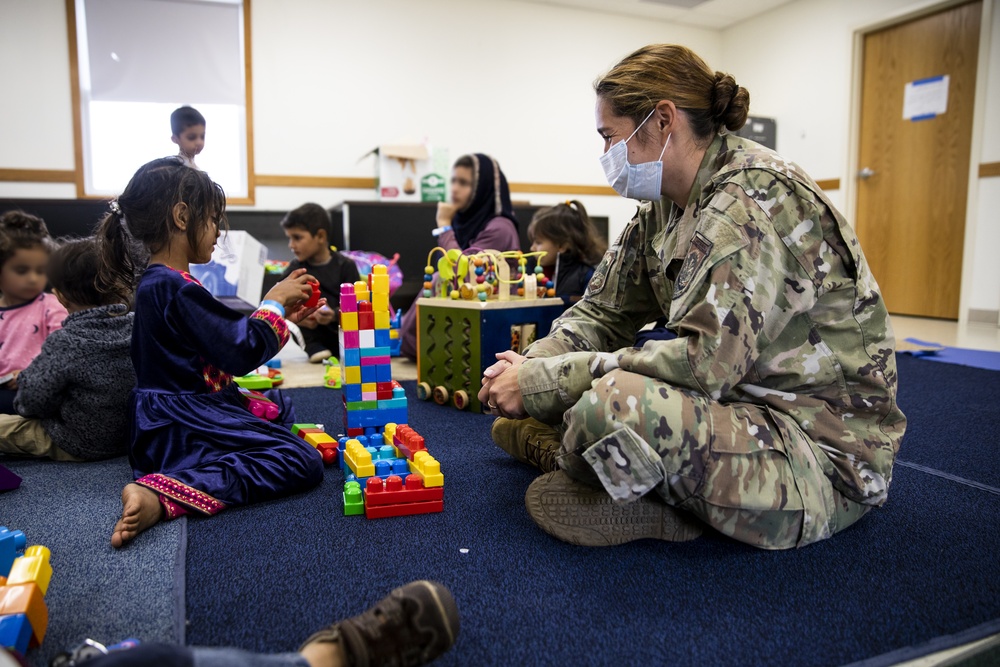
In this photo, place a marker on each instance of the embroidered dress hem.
(178, 493)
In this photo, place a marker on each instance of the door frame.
(916, 11)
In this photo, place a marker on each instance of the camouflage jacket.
(773, 303)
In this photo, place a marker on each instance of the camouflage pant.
(748, 472)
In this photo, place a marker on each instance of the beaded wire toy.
(484, 274)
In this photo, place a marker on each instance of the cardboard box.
(235, 276)
(411, 173)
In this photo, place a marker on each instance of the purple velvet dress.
(193, 441)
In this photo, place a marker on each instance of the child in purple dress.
(194, 447)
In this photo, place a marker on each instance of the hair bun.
(730, 102)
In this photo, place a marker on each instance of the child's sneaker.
(413, 625)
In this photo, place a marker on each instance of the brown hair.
(21, 231)
(710, 100)
(310, 217)
(569, 225)
(141, 220)
(73, 272)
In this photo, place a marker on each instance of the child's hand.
(291, 291)
(12, 382)
(305, 316)
(324, 316)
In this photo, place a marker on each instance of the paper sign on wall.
(924, 99)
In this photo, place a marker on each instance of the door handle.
(866, 173)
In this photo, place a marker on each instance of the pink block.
(371, 361)
(351, 340)
(348, 299)
(369, 396)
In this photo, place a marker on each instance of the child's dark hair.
(310, 217)
(569, 225)
(142, 220)
(21, 231)
(183, 118)
(73, 272)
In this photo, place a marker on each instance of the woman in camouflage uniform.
(772, 416)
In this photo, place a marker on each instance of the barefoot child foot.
(141, 509)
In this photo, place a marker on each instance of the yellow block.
(32, 567)
(393, 334)
(382, 319)
(349, 321)
(358, 459)
(380, 303)
(352, 375)
(380, 270)
(369, 386)
(426, 466)
(380, 284)
(317, 439)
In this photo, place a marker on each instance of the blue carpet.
(922, 567)
(957, 355)
(96, 591)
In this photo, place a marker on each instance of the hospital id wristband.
(273, 306)
(441, 230)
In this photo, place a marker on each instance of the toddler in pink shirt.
(27, 313)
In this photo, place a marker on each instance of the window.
(138, 60)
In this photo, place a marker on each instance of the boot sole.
(578, 514)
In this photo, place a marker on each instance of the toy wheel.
(461, 399)
(423, 391)
(440, 395)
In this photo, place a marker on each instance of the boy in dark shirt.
(308, 232)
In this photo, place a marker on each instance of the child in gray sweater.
(73, 398)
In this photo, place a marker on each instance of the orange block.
(26, 599)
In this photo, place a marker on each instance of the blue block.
(352, 357)
(15, 632)
(12, 543)
(352, 392)
(371, 430)
(368, 374)
(382, 338)
(383, 373)
(274, 363)
(394, 347)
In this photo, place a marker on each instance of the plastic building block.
(313, 299)
(407, 441)
(12, 543)
(427, 467)
(259, 405)
(393, 490)
(354, 504)
(328, 450)
(358, 459)
(403, 509)
(15, 632)
(273, 363)
(34, 567)
(316, 439)
(309, 427)
(8, 480)
(26, 599)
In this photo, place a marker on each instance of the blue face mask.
(634, 181)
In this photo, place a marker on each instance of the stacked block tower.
(388, 470)
(24, 580)
(372, 398)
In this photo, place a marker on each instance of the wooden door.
(913, 178)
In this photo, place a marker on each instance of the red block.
(393, 491)
(408, 441)
(404, 509)
(355, 432)
(303, 432)
(329, 452)
(366, 320)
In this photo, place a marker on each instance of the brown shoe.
(579, 514)
(413, 625)
(529, 441)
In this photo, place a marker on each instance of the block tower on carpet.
(24, 580)
(372, 398)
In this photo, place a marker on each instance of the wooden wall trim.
(829, 184)
(38, 175)
(988, 169)
(74, 94)
(346, 182)
(248, 102)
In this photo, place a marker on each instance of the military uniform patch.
(696, 256)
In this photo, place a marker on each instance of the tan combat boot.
(529, 441)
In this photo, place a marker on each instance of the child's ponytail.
(118, 268)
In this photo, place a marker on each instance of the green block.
(354, 503)
(254, 382)
(298, 427)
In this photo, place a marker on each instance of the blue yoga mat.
(956, 355)
(96, 591)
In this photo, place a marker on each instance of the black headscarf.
(490, 199)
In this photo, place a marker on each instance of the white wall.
(801, 74)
